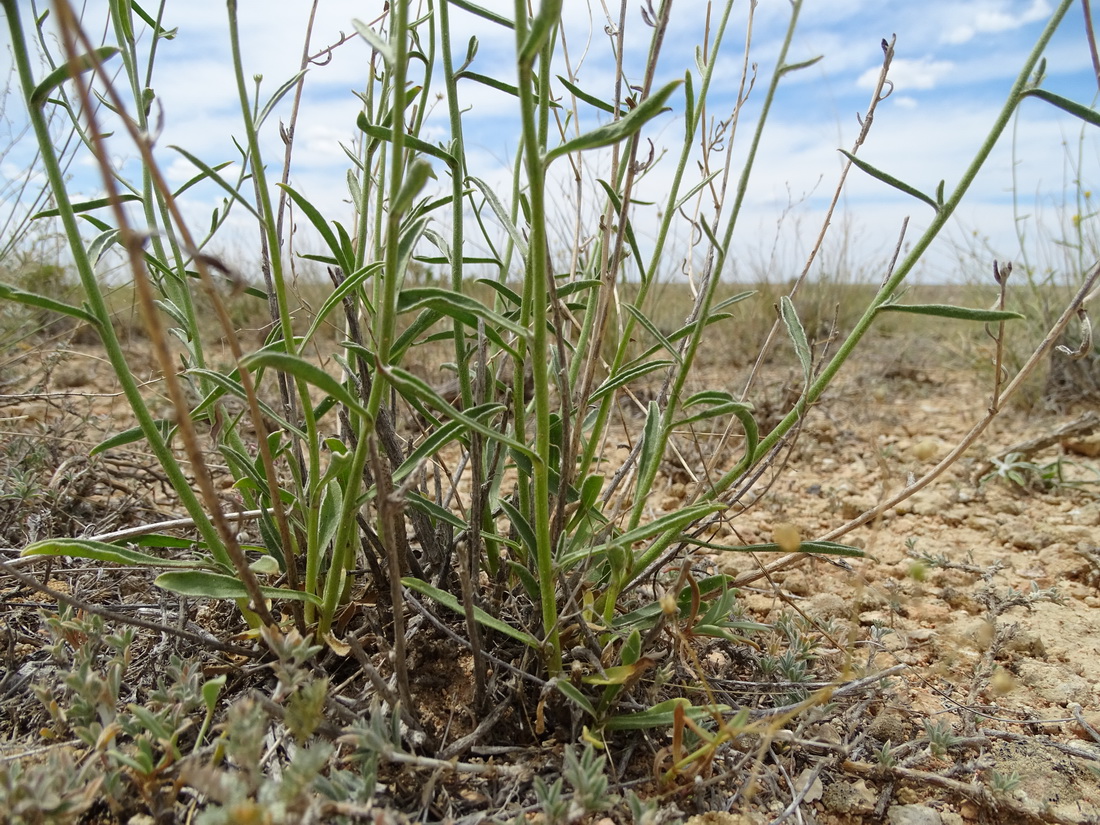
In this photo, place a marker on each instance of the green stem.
(815, 390)
(536, 294)
(278, 283)
(714, 277)
(943, 214)
(458, 176)
(96, 302)
(668, 213)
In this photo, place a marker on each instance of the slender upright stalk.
(536, 296)
(943, 214)
(94, 296)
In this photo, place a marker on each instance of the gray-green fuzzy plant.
(551, 546)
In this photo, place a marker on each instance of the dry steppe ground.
(985, 590)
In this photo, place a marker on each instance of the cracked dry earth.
(988, 592)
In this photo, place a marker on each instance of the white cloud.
(813, 112)
(911, 75)
(975, 18)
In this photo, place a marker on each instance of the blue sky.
(954, 63)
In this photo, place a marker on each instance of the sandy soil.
(986, 591)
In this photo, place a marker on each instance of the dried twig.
(1008, 809)
(87, 607)
(1084, 425)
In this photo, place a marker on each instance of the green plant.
(940, 736)
(1004, 783)
(54, 791)
(498, 503)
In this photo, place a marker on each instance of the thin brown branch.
(134, 621)
(1007, 808)
(72, 32)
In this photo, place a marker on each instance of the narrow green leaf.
(442, 436)
(483, 13)
(231, 385)
(683, 332)
(625, 376)
(570, 692)
(502, 214)
(204, 585)
(542, 24)
(736, 408)
(86, 206)
(346, 244)
(132, 436)
(632, 648)
(211, 173)
(1078, 110)
(619, 129)
(628, 226)
(651, 438)
(958, 313)
(795, 67)
(161, 540)
(449, 601)
(211, 688)
(150, 21)
(410, 385)
(64, 72)
(376, 42)
(455, 305)
(411, 141)
(471, 53)
(101, 243)
(825, 548)
(433, 510)
(278, 95)
(521, 525)
(526, 578)
(663, 715)
(708, 230)
(336, 297)
(354, 189)
(412, 333)
(695, 189)
(437, 260)
(618, 675)
(321, 225)
(101, 551)
(491, 82)
(33, 299)
(733, 299)
(579, 285)
(587, 98)
(797, 335)
(675, 520)
(670, 521)
(310, 373)
(890, 180)
(689, 107)
(441, 244)
(651, 328)
(329, 514)
(509, 295)
(644, 616)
